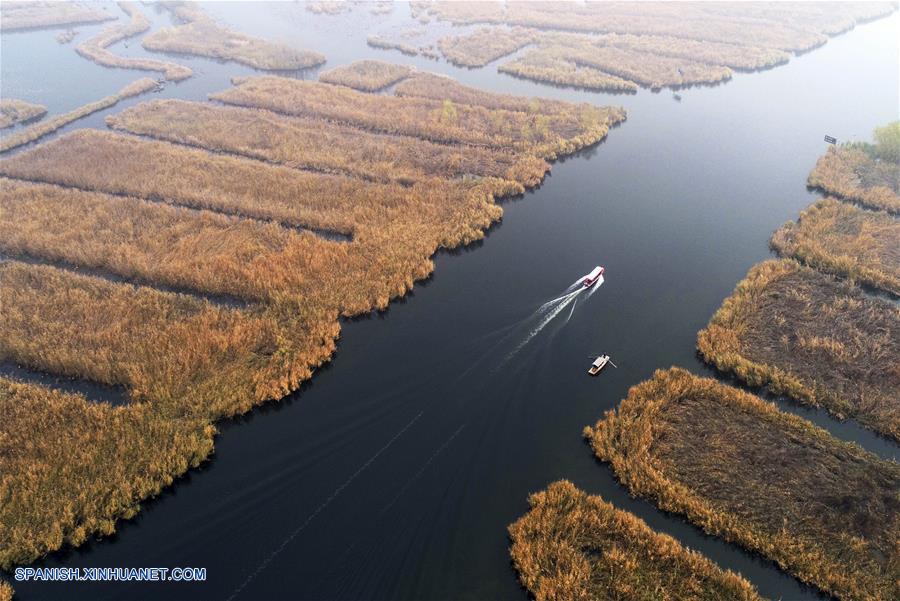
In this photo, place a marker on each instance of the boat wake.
(549, 311)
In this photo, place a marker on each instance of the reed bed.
(554, 66)
(825, 510)
(327, 7)
(651, 45)
(545, 136)
(441, 87)
(181, 354)
(64, 37)
(845, 240)
(95, 49)
(321, 146)
(70, 468)
(654, 71)
(366, 75)
(790, 28)
(48, 126)
(735, 56)
(14, 111)
(200, 35)
(483, 46)
(166, 215)
(579, 547)
(116, 164)
(396, 229)
(816, 339)
(379, 42)
(853, 174)
(33, 15)
(160, 244)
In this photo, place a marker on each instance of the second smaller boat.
(599, 363)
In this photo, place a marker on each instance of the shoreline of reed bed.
(48, 126)
(819, 503)
(573, 546)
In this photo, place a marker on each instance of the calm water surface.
(395, 472)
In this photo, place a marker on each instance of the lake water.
(396, 471)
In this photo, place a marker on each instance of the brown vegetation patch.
(578, 547)
(16, 111)
(649, 70)
(48, 126)
(554, 66)
(116, 164)
(712, 53)
(853, 174)
(366, 75)
(816, 339)
(845, 240)
(441, 87)
(64, 37)
(320, 145)
(32, 15)
(790, 27)
(95, 48)
(158, 243)
(183, 355)
(202, 36)
(70, 468)
(116, 204)
(439, 121)
(379, 42)
(825, 510)
(484, 45)
(653, 44)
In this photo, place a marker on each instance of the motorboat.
(591, 278)
(599, 363)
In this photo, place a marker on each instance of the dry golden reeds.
(366, 75)
(95, 48)
(318, 145)
(578, 547)
(845, 240)
(14, 111)
(132, 211)
(33, 15)
(48, 126)
(202, 36)
(823, 509)
(816, 339)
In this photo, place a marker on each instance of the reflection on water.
(395, 474)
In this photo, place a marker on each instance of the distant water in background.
(396, 471)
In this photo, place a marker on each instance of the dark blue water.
(395, 472)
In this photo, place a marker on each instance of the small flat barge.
(599, 363)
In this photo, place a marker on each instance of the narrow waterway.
(395, 472)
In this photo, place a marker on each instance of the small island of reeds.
(735, 465)
(579, 547)
(201, 35)
(815, 338)
(95, 48)
(366, 75)
(16, 15)
(14, 111)
(845, 240)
